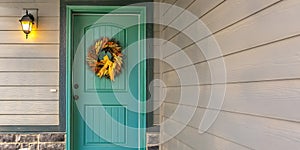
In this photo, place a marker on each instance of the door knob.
(75, 97)
(76, 86)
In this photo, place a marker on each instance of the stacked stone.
(43, 141)
(153, 141)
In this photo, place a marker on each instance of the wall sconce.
(28, 20)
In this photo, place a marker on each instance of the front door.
(106, 114)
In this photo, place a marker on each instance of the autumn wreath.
(108, 65)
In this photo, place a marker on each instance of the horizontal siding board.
(29, 107)
(171, 78)
(175, 10)
(279, 99)
(250, 32)
(244, 67)
(28, 78)
(257, 132)
(199, 141)
(48, 23)
(164, 8)
(201, 7)
(15, 9)
(184, 58)
(175, 43)
(28, 65)
(182, 40)
(175, 144)
(223, 15)
(206, 141)
(181, 113)
(194, 53)
(186, 95)
(173, 95)
(262, 28)
(169, 32)
(279, 60)
(13, 37)
(232, 11)
(194, 119)
(165, 67)
(171, 14)
(28, 93)
(190, 75)
(169, 48)
(259, 58)
(251, 131)
(196, 31)
(23, 51)
(26, 120)
(248, 98)
(44, 23)
(184, 3)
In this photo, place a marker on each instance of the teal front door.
(106, 114)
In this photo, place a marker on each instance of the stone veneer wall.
(39, 141)
(51, 141)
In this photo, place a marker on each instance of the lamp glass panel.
(26, 26)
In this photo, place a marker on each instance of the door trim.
(70, 9)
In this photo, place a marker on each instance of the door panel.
(107, 114)
(109, 130)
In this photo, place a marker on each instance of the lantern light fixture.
(28, 21)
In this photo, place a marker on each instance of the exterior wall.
(260, 46)
(28, 70)
(29, 67)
